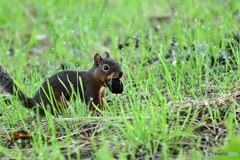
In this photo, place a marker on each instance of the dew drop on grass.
(52, 48)
(123, 53)
(72, 31)
(195, 19)
(41, 36)
(229, 57)
(64, 42)
(73, 141)
(185, 25)
(19, 140)
(136, 138)
(174, 62)
(203, 26)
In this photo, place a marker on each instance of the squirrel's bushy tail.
(9, 86)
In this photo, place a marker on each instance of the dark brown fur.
(64, 84)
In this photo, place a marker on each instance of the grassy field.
(181, 77)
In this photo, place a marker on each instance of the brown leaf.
(15, 135)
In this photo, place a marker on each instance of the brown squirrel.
(61, 86)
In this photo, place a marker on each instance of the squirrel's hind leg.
(61, 102)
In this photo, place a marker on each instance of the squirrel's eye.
(105, 67)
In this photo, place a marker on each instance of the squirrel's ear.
(97, 58)
(107, 55)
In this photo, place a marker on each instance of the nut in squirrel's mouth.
(114, 85)
(111, 77)
(108, 80)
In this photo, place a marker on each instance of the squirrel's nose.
(120, 74)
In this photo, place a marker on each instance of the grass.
(172, 108)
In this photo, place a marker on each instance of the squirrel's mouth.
(112, 76)
(115, 75)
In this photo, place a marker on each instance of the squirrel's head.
(106, 68)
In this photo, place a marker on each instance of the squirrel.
(89, 85)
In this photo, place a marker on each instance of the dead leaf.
(15, 135)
